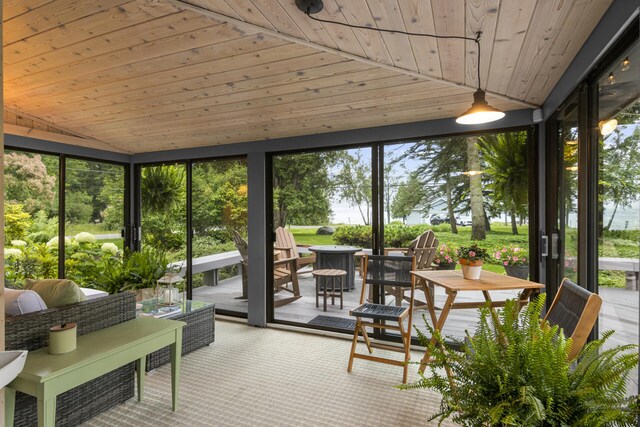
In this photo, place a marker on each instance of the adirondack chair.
(423, 248)
(284, 272)
(286, 243)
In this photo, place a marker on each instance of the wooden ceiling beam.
(243, 24)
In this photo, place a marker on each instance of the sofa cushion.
(22, 302)
(56, 292)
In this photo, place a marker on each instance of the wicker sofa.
(31, 332)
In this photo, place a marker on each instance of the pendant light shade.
(480, 111)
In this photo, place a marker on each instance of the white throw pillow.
(93, 293)
(22, 302)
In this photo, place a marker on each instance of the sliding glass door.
(593, 213)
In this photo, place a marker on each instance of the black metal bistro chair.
(384, 271)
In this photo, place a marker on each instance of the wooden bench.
(45, 376)
(631, 267)
(209, 265)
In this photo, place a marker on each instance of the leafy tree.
(163, 193)
(111, 196)
(353, 183)
(78, 207)
(28, 183)
(506, 157)
(162, 188)
(442, 161)
(221, 189)
(301, 189)
(409, 195)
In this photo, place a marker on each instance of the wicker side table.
(199, 332)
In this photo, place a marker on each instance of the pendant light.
(480, 111)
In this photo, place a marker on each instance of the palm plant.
(506, 157)
(516, 372)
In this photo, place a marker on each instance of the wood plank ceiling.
(149, 75)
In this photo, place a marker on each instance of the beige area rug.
(270, 377)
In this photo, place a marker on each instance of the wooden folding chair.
(575, 310)
(384, 271)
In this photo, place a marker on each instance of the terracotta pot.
(519, 271)
(476, 262)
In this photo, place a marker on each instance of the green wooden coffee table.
(45, 376)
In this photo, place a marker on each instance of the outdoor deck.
(619, 311)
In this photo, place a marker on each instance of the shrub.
(445, 256)
(355, 235)
(512, 255)
(517, 373)
(16, 222)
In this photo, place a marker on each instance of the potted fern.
(516, 372)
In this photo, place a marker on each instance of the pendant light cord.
(406, 33)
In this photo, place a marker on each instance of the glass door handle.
(544, 245)
(555, 243)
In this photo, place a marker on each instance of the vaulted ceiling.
(148, 75)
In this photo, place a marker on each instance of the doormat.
(333, 322)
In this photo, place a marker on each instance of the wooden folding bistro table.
(453, 282)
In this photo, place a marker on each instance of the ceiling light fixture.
(611, 78)
(480, 111)
(626, 64)
(607, 126)
(572, 142)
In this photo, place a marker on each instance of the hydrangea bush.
(512, 256)
(445, 256)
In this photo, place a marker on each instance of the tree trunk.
(478, 231)
(615, 208)
(487, 223)
(452, 218)
(387, 205)
(514, 223)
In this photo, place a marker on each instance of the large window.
(618, 218)
(465, 189)
(322, 199)
(93, 219)
(471, 189)
(219, 209)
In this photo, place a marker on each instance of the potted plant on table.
(515, 372)
(445, 258)
(471, 260)
(515, 261)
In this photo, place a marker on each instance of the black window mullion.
(62, 184)
(189, 282)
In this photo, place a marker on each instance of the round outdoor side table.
(331, 276)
